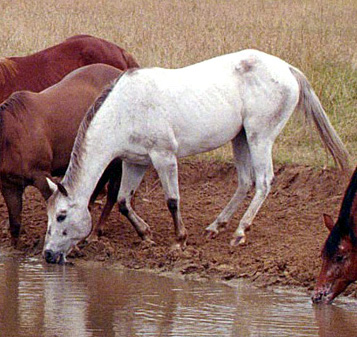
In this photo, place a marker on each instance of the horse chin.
(328, 293)
(323, 298)
(55, 258)
(62, 259)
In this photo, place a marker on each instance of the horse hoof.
(147, 243)
(91, 239)
(239, 240)
(177, 247)
(211, 234)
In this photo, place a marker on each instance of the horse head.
(68, 223)
(339, 262)
(339, 254)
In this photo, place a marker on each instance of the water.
(88, 300)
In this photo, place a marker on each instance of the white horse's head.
(68, 224)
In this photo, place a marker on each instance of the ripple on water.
(46, 300)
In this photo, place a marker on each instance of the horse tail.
(8, 69)
(312, 108)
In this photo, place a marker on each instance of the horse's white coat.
(154, 116)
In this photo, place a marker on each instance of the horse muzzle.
(54, 258)
(322, 297)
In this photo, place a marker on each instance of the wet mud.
(283, 246)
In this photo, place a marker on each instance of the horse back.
(64, 105)
(44, 68)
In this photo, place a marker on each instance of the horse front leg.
(131, 178)
(40, 182)
(12, 194)
(166, 167)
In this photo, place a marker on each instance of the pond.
(91, 300)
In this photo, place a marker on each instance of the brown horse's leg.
(13, 198)
(98, 188)
(113, 173)
(40, 182)
(113, 170)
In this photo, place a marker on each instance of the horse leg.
(100, 186)
(242, 162)
(13, 198)
(166, 167)
(131, 178)
(261, 155)
(112, 173)
(40, 182)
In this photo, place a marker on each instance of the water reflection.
(337, 320)
(45, 300)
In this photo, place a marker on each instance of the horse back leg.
(131, 178)
(242, 161)
(12, 194)
(166, 167)
(261, 154)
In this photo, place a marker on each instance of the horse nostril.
(49, 256)
(316, 298)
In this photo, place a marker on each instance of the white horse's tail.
(312, 108)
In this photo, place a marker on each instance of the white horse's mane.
(77, 151)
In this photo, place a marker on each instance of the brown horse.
(39, 71)
(339, 254)
(37, 132)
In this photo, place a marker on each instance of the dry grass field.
(317, 36)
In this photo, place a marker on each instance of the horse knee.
(123, 208)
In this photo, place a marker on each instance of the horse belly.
(203, 134)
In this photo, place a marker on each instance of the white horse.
(154, 116)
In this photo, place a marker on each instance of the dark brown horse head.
(339, 254)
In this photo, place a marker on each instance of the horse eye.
(64, 233)
(61, 217)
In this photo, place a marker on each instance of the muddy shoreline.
(283, 245)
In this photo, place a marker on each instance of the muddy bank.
(283, 245)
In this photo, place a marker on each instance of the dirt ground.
(283, 245)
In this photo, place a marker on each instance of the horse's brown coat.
(38, 131)
(42, 69)
(339, 254)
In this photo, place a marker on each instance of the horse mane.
(344, 226)
(8, 69)
(77, 151)
(14, 104)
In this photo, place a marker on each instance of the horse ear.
(328, 222)
(54, 187)
(62, 189)
(51, 185)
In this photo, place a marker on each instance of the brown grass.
(317, 36)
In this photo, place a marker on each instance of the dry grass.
(317, 36)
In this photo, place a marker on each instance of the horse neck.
(91, 157)
(348, 207)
